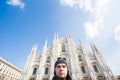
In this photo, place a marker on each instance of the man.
(61, 71)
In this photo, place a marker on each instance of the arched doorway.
(32, 79)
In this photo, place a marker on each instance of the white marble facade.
(83, 64)
(8, 71)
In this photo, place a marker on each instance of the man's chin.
(62, 77)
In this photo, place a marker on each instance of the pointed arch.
(45, 79)
(34, 71)
(63, 47)
(79, 57)
(83, 69)
(48, 59)
(46, 70)
(95, 68)
(32, 79)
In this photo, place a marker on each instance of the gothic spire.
(69, 36)
(56, 36)
(94, 48)
(33, 51)
(45, 45)
(81, 45)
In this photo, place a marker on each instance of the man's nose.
(61, 68)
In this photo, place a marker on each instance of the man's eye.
(58, 66)
(64, 66)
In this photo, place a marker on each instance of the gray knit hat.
(60, 60)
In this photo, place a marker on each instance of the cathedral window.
(34, 71)
(63, 47)
(95, 68)
(48, 59)
(46, 70)
(83, 69)
(79, 57)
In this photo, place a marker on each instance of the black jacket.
(67, 78)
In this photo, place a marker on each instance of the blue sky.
(24, 23)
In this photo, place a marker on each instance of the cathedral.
(82, 64)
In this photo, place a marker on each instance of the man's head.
(61, 68)
(61, 71)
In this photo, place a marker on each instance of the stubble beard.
(61, 78)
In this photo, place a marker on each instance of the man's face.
(61, 70)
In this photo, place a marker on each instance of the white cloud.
(117, 34)
(70, 3)
(93, 29)
(90, 30)
(18, 3)
(96, 8)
